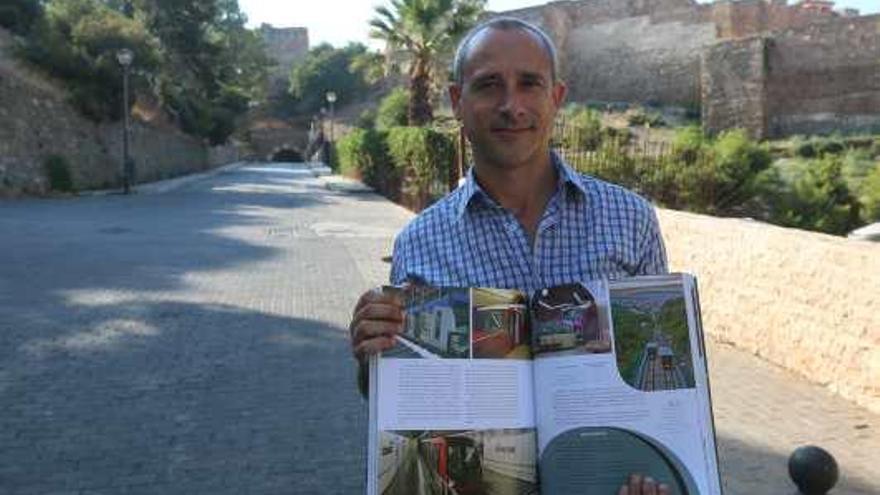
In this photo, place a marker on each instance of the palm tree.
(424, 31)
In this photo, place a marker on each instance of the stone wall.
(746, 18)
(287, 47)
(627, 50)
(734, 86)
(807, 302)
(821, 71)
(825, 77)
(38, 122)
(810, 80)
(661, 64)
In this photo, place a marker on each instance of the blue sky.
(340, 21)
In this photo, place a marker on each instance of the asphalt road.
(187, 342)
(194, 342)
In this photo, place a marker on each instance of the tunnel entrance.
(287, 155)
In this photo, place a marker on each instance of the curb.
(164, 186)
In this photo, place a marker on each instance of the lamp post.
(331, 99)
(125, 57)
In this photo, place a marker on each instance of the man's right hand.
(643, 485)
(376, 321)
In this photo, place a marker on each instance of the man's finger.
(663, 489)
(377, 295)
(369, 347)
(635, 484)
(379, 311)
(649, 487)
(624, 490)
(368, 329)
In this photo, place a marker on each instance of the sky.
(340, 21)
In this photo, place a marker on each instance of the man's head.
(502, 23)
(505, 92)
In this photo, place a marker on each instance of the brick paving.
(194, 342)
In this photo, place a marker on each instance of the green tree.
(19, 15)
(424, 32)
(371, 66)
(327, 69)
(78, 41)
(214, 67)
(196, 55)
(393, 109)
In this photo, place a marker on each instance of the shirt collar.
(471, 190)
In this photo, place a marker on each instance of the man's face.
(507, 100)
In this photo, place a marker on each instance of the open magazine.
(565, 391)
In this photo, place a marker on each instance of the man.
(522, 219)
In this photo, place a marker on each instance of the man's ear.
(455, 98)
(559, 92)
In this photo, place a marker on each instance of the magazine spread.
(568, 390)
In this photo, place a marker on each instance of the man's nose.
(512, 102)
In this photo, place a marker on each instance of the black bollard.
(813, 470)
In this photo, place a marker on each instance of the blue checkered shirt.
(590, 230)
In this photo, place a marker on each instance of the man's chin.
(510, 156)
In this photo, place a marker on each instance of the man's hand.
(375, 323)
(643, 485)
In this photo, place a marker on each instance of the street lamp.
(125, 57)
(331, 99)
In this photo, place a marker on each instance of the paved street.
(194, 342)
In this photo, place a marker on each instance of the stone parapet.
(807, 302)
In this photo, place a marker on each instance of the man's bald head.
(462, 54)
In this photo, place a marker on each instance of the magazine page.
(451, 406)
(622, 388)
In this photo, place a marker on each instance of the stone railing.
(807, 302)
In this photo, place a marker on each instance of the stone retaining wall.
(38, 122)
(807, 302)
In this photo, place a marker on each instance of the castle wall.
(812, 72)
(627, 50)
(287, 47)
(811, 80)
(660, 65)
(734, 86)
(825, 77)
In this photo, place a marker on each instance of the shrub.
(688, 143)
(424, 157)
(830, 146)
(366, 119)
(737, 161)
(811, 194)
(58, 173)
(363, 152)
(803, 147)
(816, 147)
(869, 196)
(587, 129)
(393, 110)
(641, 117)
